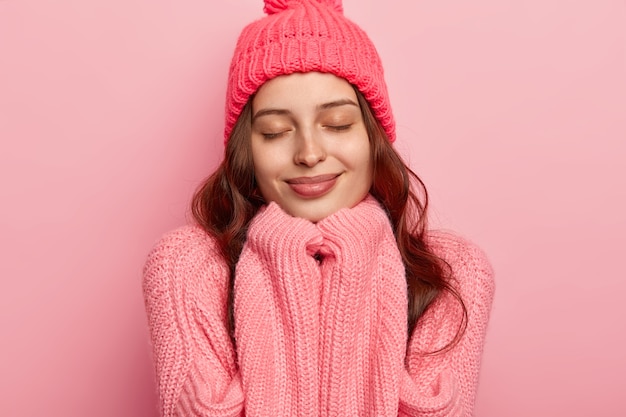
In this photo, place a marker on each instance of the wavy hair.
(225, 203)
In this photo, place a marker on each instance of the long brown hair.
(226, 202)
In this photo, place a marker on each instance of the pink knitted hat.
(303, 36)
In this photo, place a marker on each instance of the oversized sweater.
(320, 322)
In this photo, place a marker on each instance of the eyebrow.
(281, 112)
(337, 103)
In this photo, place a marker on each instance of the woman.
(310, 285)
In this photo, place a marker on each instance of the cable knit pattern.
(314, 338)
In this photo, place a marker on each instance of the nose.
(310, 150)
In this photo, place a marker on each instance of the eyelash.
(339, 128)
(272, 135)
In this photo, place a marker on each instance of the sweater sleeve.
(277, 284)
(363, 313)
(444, 384)
(185, 289)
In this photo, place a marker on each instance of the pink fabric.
(313, 338)
(304, 36)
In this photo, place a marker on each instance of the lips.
(312, 187)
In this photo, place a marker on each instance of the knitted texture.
(277, 291)
(314, 338)
(304, 36)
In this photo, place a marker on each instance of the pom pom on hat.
(275, 6)
(304, 36)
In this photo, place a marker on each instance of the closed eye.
(339, 128)
(271, 135)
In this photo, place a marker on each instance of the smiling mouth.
(312, 187)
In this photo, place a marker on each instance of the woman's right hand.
(277, 293)
(274, 234)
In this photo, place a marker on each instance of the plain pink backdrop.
(111, 113)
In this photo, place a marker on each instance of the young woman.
(310, 285)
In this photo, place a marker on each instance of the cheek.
(359, 157)
(267, 169)
(263, 181)
(261, 173)
(366, 166)
(261, 161)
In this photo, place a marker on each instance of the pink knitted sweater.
(314, 338)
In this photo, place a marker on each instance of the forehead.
(302, 90)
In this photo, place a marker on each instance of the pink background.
(513, 112)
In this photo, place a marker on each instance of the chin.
(315, 216)
(312, 211)
(317, 211)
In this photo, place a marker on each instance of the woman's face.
(310, 148)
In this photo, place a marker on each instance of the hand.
(356, 231)
(277, 295)
(274, 234)
(362, 312)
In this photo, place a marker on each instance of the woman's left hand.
(362, 313)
